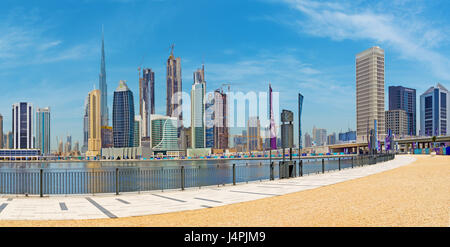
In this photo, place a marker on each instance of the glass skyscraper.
(85, 125)
(348, 136)
(146, 99)
(22, 125)
(164, 133)
(103, 87)
(434, 111)
(123, 116)
(209, 120)
(174, 89)
(402, 98)
(1, 131)
(43, 130)
(220, 120)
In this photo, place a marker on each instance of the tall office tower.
(199, 75)
(435, 111)
(137, 130)
(69, 143)
(185, 138)
(76, 147)
(174, 90)
(300, 106)
(103, 87)
(253, 134)
(43, 130)
(220, 120)
(146, 99)
(370, 93)
(349, 136)
(240, 141)
(67, 148)
(60, 147)
(1, 131)
(94, 141)
(198, 94)
(397, 122)
(308, 141)
(331, 139)
(403, 98)
(22, 125)
(123, 116)
(163, 133)
(107, 137)
(86, 125)
(319, 136)
(209, 121)
(9, 140)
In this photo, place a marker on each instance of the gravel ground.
(414, 195)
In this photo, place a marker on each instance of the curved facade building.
(123, 116)
(164, 133)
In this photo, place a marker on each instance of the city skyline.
(65, 68)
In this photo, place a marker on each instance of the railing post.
(323, 166)
(271, 171)
(41, 183)
(301, 168)
(294, 169)
(352, 161)
(182, 177)
(234, 174)
(117, 181)
(339, 163)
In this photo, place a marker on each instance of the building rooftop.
(122, 86)
(438, 85)
(374, 49)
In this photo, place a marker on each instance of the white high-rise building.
(198, 94)
(370, 93)
(319, 136)
(22, 125)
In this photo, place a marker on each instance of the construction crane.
(140, 64)
(227, 84)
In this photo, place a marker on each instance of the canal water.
(109, 177)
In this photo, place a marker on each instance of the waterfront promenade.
(393, 193)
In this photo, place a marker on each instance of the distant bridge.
(404, 144)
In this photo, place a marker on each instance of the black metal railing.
(41, 182)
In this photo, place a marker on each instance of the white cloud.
(412, 37)
(261, 68)
(29, 42)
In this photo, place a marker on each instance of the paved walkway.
(134, 204)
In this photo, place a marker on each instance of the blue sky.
(50, 50)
